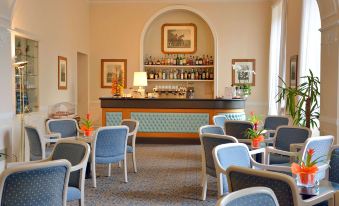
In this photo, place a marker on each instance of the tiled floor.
(167, 175)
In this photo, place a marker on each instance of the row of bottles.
(179, 59)
(194, 74)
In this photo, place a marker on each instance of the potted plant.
(255, 119)
(87, 125)
(302, 102)
(256, 136)
(306, 170)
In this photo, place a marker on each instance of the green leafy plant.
(253, 134)
(246, 88)
(302, 102)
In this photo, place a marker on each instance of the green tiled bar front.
(113, 118)
(235, 116)
(170, 122)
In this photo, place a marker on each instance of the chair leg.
(94, 176)
(220, 185)
(134, 162)
(82, 202)
(109, 169)
(125, 170)
(119, 164)
(204, 188)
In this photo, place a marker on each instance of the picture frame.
(62, 73)
(294, 71)
(179, 38)
(243, 72)
(111, 69)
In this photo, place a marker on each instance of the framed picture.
(294, 71)
(62, 73)
(243, 71)
(179, 38)
(113, 69)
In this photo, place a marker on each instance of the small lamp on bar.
(140, 80)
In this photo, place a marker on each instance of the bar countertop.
(165, 103)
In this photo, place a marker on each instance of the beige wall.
(116, 29)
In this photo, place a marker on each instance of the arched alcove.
(150, 40)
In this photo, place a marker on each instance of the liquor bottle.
(146, 61)
(185, 75)
(193, 60)
(162, 61)
(184, 60)
(175, 74)
(196, 60)
(181, 61)
(199, 77)
(203, 76)
(171, 74)
(206, 59)
(190, 62)
(177, 60)
(196, 75)
(173, 60)
(200, 61)
(207, 74)
(150, 60)
(192, 74)
(182, 74)
(158, 62)
(211, 75)
(156, 75)
(160, 74)
(151, 75)
(211, 60)
(203, 60)
(189, 75)
(164, 74)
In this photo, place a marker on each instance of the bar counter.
(168, 118)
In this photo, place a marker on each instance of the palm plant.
(302, 102)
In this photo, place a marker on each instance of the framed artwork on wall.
(113, 69)
(62, 73)
(294, 71)
(243, 72)
(179, 38)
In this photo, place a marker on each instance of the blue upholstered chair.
(284, 137)
(109, 146)
(238, 129)
(208, 142)
(219, 120)
(64, 127)
(283, 186)
(272, 122)
(226, 155)
(37, 143)
(37, 184)
(77, 153)
(253, 196)
(211, 129)
(133, 126)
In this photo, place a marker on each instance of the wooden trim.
(59, 86)
(233, 72)
(183, 24)
(113, 60)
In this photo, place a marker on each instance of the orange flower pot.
(306, 179)
(256, 141)
(88, 133)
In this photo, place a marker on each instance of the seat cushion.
(279, 159)
(129, 149)
(107, 160)
(73, 193)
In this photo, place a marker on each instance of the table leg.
(336, 198)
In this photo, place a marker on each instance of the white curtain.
(277, 59)
(310, 39)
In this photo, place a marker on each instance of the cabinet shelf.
(179, 66)
(180, 80)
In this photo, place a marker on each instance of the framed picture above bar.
(243, 72)
(111, 70)
(62, 73)
(294, 71)
(179, 38)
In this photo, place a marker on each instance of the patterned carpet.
(167, 175)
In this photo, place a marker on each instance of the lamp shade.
(140, 79)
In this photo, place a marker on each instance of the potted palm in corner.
(302, 101)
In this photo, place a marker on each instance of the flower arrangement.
(87, 125)
(255, 119)
(306, 170)
(256, 136)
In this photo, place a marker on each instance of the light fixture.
(140, 80)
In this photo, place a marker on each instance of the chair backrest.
(282, 185)
(334, 165)
(287, 135)
(273, 122)
(66, 127)
(35, 184)
(133, 126)
(208, 143)
(35, 143)
(250, 196)
(237, 129)
(77, 153)
(211, 129)
(111, 141)
(226, 155)
(219, 120)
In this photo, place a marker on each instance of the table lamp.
(140, 80)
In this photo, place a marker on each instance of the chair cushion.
(107, 160)
(129, 149)
(211, 172)
(279, 159)
(73, 193)
(48, 151)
